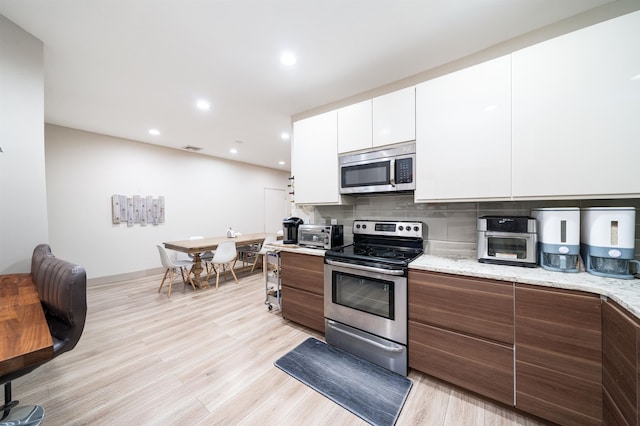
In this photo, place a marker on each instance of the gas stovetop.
(379, 243)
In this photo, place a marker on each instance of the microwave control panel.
(404, 170)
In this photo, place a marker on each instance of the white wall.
(203, 196)
(23, 198)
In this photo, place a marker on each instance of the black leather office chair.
(62, 289)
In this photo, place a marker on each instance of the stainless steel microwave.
(388, 169)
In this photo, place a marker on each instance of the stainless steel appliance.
(607, 240)
(507, 240)
(290, 230)
(385, 170)
(320, 236)
(558, 238)
(365, 291)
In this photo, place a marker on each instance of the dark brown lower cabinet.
(461, 331)
(478, 365)
(558, 338)
(302, 280)
(620, 360)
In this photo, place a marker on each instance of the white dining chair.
(173, 266)
(270, 238)
(224, 256)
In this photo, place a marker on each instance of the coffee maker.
(290, 230)
(558, 238)
(608, 241)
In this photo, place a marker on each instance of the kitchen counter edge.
(292, 248)
(624, 292)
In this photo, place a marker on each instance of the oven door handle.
(366, 268)
(395, 348)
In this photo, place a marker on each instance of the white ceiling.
(121, 67)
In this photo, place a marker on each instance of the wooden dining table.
(197, 247)
(24, 334)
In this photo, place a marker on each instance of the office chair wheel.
(23, 415)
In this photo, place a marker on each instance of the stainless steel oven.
(365, 289)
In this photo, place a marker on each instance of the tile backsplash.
(450, 227)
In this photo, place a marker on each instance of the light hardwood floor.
(206, 358)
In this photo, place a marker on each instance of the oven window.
(366, 174)
(507, 248)
(364, 294)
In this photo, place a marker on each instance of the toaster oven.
(507, 240)
(320, 236)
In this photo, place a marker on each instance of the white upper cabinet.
(463, 144)
(394, 117)
(576, 113)
(315, 159)
(355, 127)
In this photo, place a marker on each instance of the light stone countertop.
(293, 248)
(624, 292)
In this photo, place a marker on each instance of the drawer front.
(560, 331)
(477, 365)
(558, 397)
(479, 307)
(619, 364)
(303, 307)
(559, 355)
(302, 271)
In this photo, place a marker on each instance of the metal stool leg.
(15, 415)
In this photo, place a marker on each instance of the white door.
(275, 209)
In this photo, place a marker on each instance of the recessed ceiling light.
(288, 58)
(285, 136)
(233, 151)
(281, 163)
(154, 132)
(203, 105)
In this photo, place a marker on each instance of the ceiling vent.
(192, 148)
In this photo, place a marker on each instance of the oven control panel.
(388, 228)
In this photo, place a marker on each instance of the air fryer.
(290, 230)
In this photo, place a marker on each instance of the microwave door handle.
(392, 172)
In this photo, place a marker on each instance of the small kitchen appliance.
(290, 227)
(607, 241)
(388, 169)
(507, 240)
(365, 291)
(558, 238)
(320, 236)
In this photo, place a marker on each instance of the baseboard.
(124, 277)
